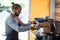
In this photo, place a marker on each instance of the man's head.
(16, 8)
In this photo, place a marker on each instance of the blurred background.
(45, 12)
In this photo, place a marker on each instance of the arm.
(28, 24)
(20, 23)
(11, 23)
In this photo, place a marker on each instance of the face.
(17, 11)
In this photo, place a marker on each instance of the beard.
(16, 14)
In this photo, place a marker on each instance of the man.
(14, 24)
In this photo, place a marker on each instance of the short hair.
(15, 6)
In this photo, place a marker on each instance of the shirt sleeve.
(17, 28)
(28, 24)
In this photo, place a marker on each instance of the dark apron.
(13, 35)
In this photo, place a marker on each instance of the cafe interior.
(46, 17)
